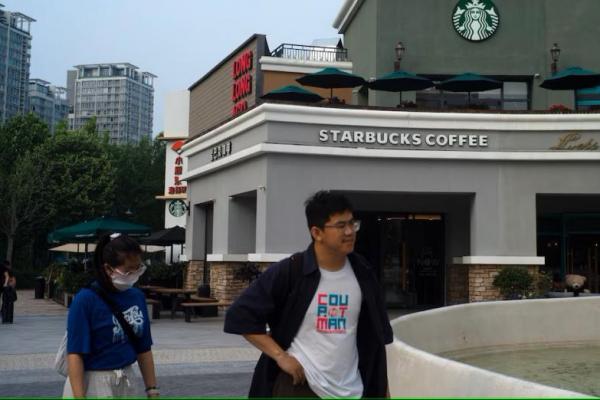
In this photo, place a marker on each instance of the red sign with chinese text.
(178, 186)
(242, 81)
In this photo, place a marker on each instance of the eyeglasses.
(127, 273)
(353, 224)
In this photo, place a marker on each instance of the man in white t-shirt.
(328, 324)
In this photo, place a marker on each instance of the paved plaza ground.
(193, 359)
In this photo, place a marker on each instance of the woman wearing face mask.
(100, 352)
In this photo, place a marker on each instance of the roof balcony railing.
(310, 53)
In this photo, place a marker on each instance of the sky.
(177, 40)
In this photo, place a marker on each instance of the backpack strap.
(118, 314)
(294, 277)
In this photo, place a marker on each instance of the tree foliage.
(51, 181)
(140, 170)
(82, 178)
(22, 177)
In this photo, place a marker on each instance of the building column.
(503, 234)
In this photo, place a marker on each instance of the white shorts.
(115, 383)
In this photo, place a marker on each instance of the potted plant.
(514, 283)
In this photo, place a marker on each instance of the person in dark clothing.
(327, 320)
(9, 294)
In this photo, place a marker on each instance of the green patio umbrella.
(292, 93)
(331, 78)
(572, 78)
(90, 231)
(469, 82)
(400, 81)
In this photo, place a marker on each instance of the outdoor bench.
(208, 308)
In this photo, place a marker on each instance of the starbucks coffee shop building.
(447, 197)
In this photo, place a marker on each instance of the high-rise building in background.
(49, 102)
(15, 56)
(120, 97)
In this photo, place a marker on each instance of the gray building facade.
(120, 97)
(443, 197)
(447, 198)
(517, 51)
(15, 56)
(49, 102)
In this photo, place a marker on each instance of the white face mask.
(123, 281)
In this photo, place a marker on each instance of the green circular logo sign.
(475, 20)
(177, 208)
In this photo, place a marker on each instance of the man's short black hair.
(322, 205)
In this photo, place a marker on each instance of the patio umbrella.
(400, 81)
(89, 231)
(79, 248)
(331, 78)
(469, 82)
(292, 93)
(166, 237)
(572, 79)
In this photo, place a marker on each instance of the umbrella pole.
(468, 99)
(400, 99)
(171, 254)
(331, 95)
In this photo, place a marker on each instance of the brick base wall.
(194, 274)
(481, 278)
(225, 282)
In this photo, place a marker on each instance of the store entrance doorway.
(408, 252)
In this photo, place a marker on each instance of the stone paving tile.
(172, 356)
(226, 385)
(26, 304)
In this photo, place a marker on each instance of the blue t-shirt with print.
(94, 332)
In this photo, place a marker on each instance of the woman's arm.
(76, 372)
(146, 364)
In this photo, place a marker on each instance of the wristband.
(152, 388)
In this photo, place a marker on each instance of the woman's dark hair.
(113, 251)
(322, 205)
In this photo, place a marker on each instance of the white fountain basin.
(417, 366)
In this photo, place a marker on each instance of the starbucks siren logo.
(177, 208)
(475, 20)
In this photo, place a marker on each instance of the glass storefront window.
(514, 95)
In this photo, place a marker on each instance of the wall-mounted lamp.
(399, 50)
(555, 54)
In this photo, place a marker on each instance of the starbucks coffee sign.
(475, 20)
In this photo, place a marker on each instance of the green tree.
(82, 178)
(140, 171)
(19, 135)
(21, 205)
(22, 177)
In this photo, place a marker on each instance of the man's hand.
(286, 362)
(292, 367)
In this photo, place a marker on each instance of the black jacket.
(280, 298)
